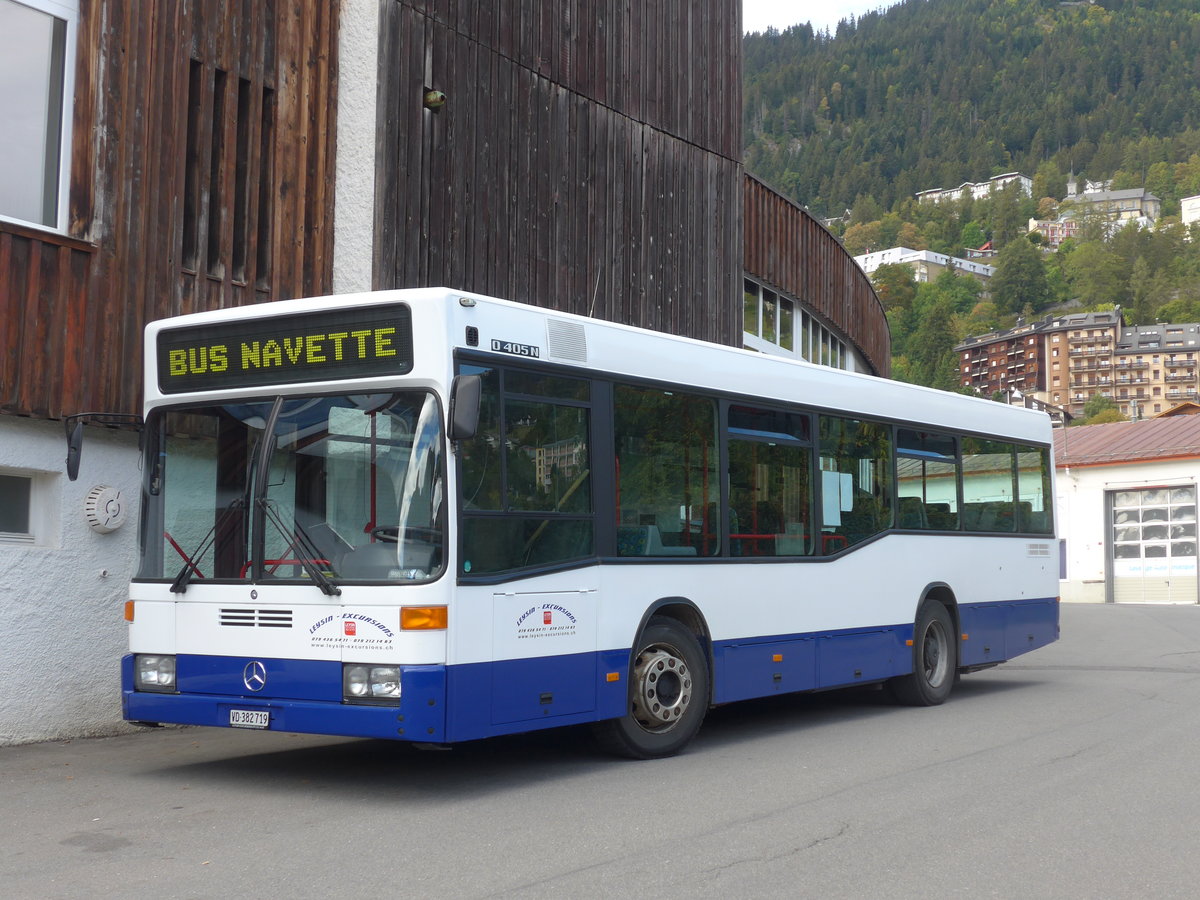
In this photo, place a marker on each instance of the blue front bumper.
(209, 689)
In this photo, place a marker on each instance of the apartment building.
(1055, 231)
(1065, 360)
(1189, 209)
(978, 190)
(1120, 207)
(926, 264)
(1156, 368)
(1009, 360)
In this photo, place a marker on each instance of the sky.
(758, 15)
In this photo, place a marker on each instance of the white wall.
(62, 598)
(1082, 521)
(1190, 209)
(354, 190)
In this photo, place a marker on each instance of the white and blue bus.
(434, 517)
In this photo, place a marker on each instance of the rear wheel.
(668, 694)
(935, 659)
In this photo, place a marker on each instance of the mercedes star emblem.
(254, 676)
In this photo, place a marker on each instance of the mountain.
(934, 93)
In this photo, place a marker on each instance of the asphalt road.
(1069, 773)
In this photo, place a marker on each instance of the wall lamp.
(434, 100)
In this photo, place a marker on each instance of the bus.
(433, 516)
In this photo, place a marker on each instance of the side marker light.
(423, 618)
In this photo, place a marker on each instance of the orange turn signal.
(613, 676)
(128, 610)
(423, 618)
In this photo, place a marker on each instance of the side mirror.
(464, 407)
(74, 428)
(74, 450)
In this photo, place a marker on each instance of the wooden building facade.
(587, 157)
(200, 177)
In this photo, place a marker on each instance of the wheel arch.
(687, 614)
(940, 592)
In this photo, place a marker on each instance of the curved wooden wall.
(788, 249)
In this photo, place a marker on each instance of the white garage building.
(1127, 510)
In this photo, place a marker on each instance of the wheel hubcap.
(662, 688)
(933, 652)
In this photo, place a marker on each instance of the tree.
(1020, 278)
(933, 328)
(934, 336)
(1047, 207)
(896, 286)
(864, 238)
(909, 235)
(1095, 274)
(972, 236)
(1099, 410)
(1008, 220)
(1049, 181)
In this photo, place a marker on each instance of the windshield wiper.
(308, 550)
(179, 585)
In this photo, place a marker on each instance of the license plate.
(249, 718)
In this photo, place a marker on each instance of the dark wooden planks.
(74, 306)
(787, 248)
(575, 163)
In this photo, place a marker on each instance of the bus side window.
(770, 482)
(856, 480)
(989, 485)
(1035, 507)
(526, 474)
(666, 472)
(927, 471)
(480, 456)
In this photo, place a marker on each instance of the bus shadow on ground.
(367, 771)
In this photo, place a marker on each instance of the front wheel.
(935, 659)
(668, 694)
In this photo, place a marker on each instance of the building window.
(16, 508)
(37, 54)
(750, 308)
(772, 319)
(230, 124)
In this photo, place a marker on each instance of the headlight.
(154, 673)
(371, 684)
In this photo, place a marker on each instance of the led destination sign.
(338, 344)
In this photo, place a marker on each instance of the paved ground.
(1070, 773)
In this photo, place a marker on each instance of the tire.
(668, 695)
(935, 659)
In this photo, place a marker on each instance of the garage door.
(1154, 545)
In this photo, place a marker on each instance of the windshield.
(345, 489)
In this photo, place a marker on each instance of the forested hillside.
(934, 93)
